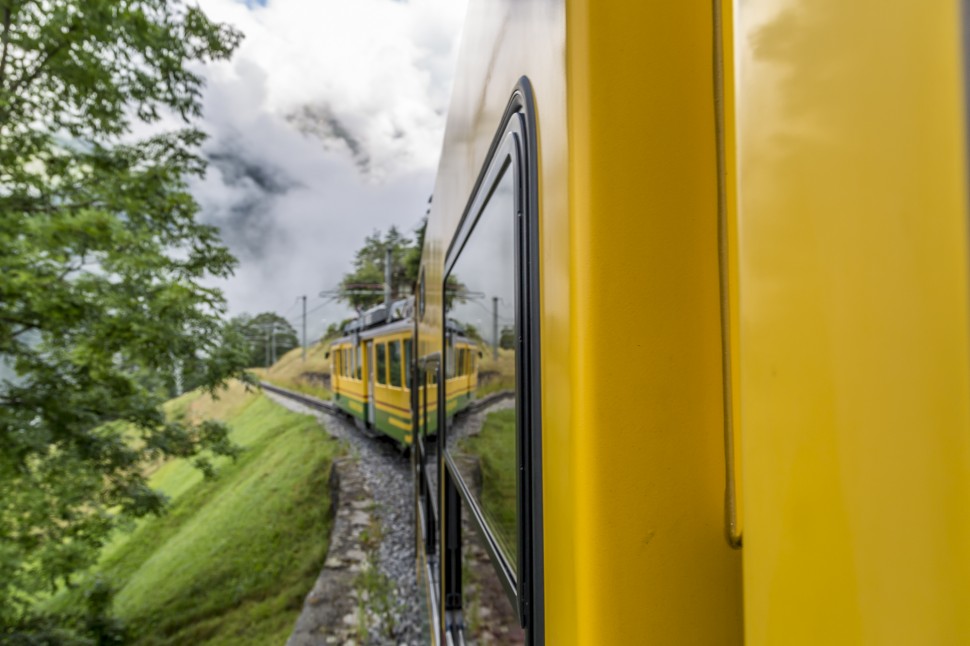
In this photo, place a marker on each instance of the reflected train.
(371, 372)
(731, 240)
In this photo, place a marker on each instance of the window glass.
(486, 610)
(450, 356)
(394, 351)
(407, 363)
(381, 364)
(346, 362)
(358, 362)
(480, 285)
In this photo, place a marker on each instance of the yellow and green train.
(371, 373)
(731, 240)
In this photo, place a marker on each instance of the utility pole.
(304, 328)
(387, 281)
(266, 347)
(272, 332)
(495, 327)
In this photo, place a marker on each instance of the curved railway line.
(375, 499)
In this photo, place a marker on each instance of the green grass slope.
(308, 377)
(495, 448)
(233, 557)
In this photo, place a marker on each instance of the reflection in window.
(450, 357)
(381, 364)
(481, 286)
(489, 617)
(394, 350)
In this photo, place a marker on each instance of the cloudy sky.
(324, 126)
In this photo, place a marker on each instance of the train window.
(450, 357)
(381, 363)
(484, 447)
(357, 362)
(493, 457)
(407, 363)
(394, 354)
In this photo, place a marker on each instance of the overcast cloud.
(325, 125)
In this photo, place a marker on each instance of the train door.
(369, 351)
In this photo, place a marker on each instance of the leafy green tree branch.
(105, 281)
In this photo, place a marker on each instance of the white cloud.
(325, 125)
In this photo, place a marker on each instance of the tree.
(364, 286)
(103, 267)
(506, 338)
(269, 336)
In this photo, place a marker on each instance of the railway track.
(327, 407)
(306, 400)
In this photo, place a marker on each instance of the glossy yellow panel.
(646, 440)
(854, 325)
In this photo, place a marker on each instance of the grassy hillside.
(291, 372)
(495, 448)
(232, 559)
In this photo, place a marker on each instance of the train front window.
(482, 448)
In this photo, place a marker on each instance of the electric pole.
(495, 327)
(304, 328)
(388, 259)
(272, 332)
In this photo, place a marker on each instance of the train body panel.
(631, 397)
(739, 236)
(854, 317)
(646, 352)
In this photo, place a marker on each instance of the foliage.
(506, 338)
(364, 286)
(495, 447)
(103, 267)
(233, 558)
(268, 336)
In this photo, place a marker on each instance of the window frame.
(513, 150)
